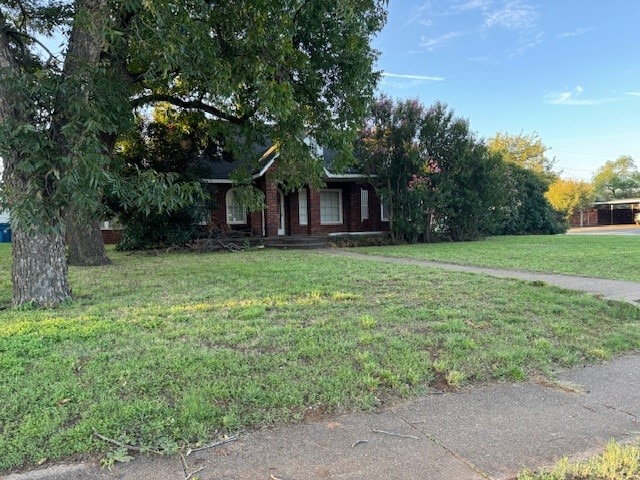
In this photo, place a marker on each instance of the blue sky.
(568, 70)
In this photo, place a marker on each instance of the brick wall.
(589, 218)
(218, 217)
(351, 211)
(111, 237)
(272, 213)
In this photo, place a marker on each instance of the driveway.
(606, 230)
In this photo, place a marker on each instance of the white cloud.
(635, 94)
(536, 40)
(472, 5)
(433, 43)
(466, 6)
(413, 77)
(577, 32)
(425, 13)
(572, 97)
(513, 15)
(419, 14)
(519, 16)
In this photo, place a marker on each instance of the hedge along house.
(347, 205)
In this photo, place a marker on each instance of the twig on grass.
(396, 434)
(232, 438)
(124, 445)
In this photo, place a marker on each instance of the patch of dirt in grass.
(440, 384)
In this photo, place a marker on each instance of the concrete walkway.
(486, 432)
(610, 289)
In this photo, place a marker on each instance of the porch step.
(299, 243)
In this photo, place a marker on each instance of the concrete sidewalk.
(489, 432)
(609, 289)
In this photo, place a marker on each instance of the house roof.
(350, 173)
(620, 201)
(219, 170)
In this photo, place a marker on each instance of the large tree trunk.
(84, 239)
(39, 270)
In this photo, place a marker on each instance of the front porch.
(298, 242)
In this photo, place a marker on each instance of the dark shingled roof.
(220, 168)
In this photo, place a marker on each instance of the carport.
(618, 212)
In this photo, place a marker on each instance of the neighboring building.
(111, 232)
(586, 217)
(5, 227)
(347, 205)
(624, 211)
(618, 212)
(5, 221)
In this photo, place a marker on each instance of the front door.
(281, 221)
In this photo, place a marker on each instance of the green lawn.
(617, 462)
(606, 256)
(165, 351)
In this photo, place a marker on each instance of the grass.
(616, 462)
(169, 351)
(604, 256)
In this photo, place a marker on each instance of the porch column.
(271, 213)
(314, 212)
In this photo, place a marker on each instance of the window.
(236, 213)
(113, 224)
(384, 213)
(206, 217)
(364, 204)
(330, 207)
(303, 216)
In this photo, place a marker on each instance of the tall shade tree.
(525, 150)
(569, 196)
(389, 149)
(430, 170)
(469, 188)
(526, 210)
(281, 69)
(617, 178)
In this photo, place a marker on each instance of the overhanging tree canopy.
(282, 68)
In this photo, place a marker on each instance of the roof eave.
(346, 176)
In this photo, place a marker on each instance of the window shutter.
(303, 216)
(364, 204)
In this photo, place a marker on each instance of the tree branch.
(192, 104)
(15, 33)
(299, 10)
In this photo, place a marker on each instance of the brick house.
(347, 205)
